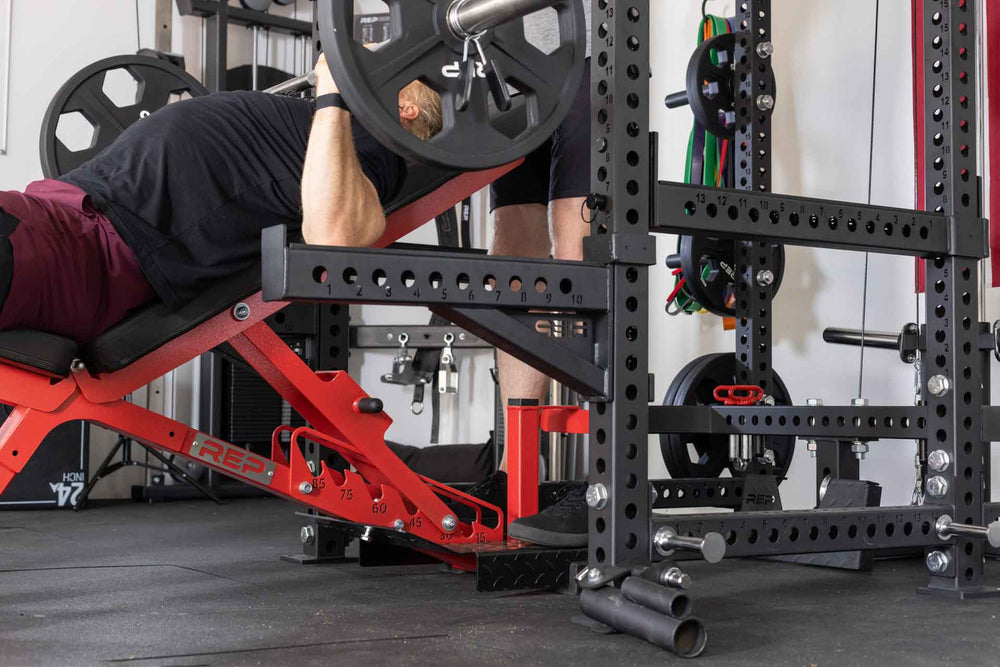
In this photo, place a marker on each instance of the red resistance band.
(992, 88)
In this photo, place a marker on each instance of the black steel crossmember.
(299, 272)
(831, 422)
(417, 337)
(244, 17)
(811, 531)
(819, 223)
(696, 492)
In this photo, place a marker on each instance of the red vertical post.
(992, 84)
(917, 7)
(522, 458)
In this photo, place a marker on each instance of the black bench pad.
(155, 325)
(37, 349)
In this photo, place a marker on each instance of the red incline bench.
(50, 380)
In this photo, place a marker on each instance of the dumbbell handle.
(677, 100)
(712, 546)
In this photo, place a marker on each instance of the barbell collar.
(468, 18)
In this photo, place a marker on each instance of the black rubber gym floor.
(196, 584)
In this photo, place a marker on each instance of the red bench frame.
(383, 492)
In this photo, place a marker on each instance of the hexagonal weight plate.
(102, 95)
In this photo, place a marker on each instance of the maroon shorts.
(72, 275)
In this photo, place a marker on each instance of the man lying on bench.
(180, 200)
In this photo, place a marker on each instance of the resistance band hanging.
(704, 269)
(706, 164)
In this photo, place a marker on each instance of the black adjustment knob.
(369, 406)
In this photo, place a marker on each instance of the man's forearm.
(339, 203)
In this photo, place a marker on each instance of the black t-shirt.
(191, 187)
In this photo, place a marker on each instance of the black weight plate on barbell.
(157, 80)
(694, 385)
(424, 48)
(257, 5)
(697, 252)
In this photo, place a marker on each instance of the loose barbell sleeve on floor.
(607, 605)
(669, 601)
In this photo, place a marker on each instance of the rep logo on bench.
(233, 459)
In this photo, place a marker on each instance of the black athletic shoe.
(563, 524)
(492, 490)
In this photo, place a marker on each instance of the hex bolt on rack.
(601, 307)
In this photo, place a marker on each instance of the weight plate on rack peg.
(424, 48)
(704, 455)
(104, 99)
(709, 269)
(711, 89)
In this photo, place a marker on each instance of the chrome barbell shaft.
(947, 528)
(467, 18)
(296, 85)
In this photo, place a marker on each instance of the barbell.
(473, 53)
(433, 42)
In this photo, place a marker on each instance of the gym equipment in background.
(57, 479)
(89, 103)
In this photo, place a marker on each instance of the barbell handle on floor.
(712, 546)
(947, 528)
(677, 100)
